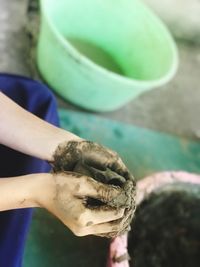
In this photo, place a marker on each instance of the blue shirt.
(36, 98)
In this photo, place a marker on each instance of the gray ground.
(181, 16)
(174, 108)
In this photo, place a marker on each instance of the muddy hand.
(96, 161)
(68, 154)
(68, 202)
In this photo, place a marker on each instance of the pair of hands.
(63, 192)
(71, 190)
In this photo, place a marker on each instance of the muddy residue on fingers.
(104, 166)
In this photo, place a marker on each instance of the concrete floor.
(174, 108)
(181, 16)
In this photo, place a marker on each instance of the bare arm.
(19, 192)
(24, 132)
(63, 195)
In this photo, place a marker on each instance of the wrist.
(22, 192)
(43, 189)
(25, 132)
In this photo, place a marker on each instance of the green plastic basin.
(100, 54)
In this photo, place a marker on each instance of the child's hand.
(67, 200)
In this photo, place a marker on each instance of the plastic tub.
(100, 54)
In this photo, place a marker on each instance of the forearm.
(24, 191)
(23, 131)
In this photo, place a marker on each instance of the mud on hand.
(105, 166)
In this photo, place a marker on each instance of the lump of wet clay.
(71, 158)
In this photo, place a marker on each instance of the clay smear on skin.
(88, 158)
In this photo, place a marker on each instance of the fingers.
(97, 221)
(106, 224)
(94, 154)
(110, 228)
(84, 187)
(91, 188)
(101, 156)
(96, 216)
(116, 164)
(119, 167)
(99, 159)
